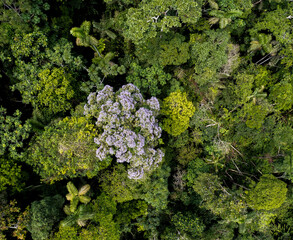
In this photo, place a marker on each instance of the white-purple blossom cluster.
(130, 130)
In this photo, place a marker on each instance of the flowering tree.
(130, 130)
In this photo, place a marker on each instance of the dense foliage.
(152, 119)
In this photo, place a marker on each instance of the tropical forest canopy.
(146, 119)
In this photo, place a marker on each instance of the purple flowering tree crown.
(130, 130)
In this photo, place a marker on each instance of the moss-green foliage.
(209, 54)
(155, 190)
(222, 231)
(66, 233)
(187, 154)
(269, 193)
(188, 223)
(149, 80)
(10, 174)
(43, 215)
(169, 49)
(178, 110)
(230, 206)
(84, 39)
(277, 28)
(106, 232)
(131, 210)
(255, 115)
(13, 133)
(117, 185)
(174, 52)
(20, 16)
(44, 74)
(53, 90)
(66, 148)
(281, 94)
(104, 208)
(152, 17)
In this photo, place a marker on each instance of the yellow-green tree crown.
(178, 111)
(269, 193)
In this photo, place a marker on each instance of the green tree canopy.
(269, 193)
(178, 110)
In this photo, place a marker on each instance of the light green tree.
(178, 110)
(209, 54)
(13, 133)
(148, 80)
(66, 149)
(269, 193)
(53, 90)
(44, 73)
(282, 95)
(155, 16)
(10, 174)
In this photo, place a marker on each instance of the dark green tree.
(43, 215)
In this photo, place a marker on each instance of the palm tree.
(75, 196)
(103, 28)
(76, 214)
(84, 39)
(223, 18)
(80, 216)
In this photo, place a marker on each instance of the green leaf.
(72, 189)
(81, 223)
(69, 196)
(84, 189)
(84, 199)
(73, 204)
(67, 210)
(213, 4)
(69, 221)
(224, 22)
